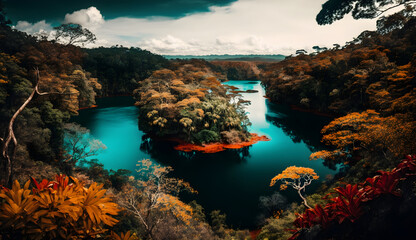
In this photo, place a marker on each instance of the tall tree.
(9, 142)
(296, 177)
(333, 10)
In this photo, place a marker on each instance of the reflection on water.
(232, 180)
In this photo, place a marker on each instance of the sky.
(192, 27)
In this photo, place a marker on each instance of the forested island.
(53, 185)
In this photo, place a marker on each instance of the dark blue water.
(231, 181)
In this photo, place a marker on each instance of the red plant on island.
(218, 147)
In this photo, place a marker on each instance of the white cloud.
(90, 18)
(244, 27)
(167, 44)
(39, 27)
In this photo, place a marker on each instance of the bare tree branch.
(9, 151)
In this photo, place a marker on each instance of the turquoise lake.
(231, 181)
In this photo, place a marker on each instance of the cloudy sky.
(195, 27)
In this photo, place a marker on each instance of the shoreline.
(219, 147)
(301, 109)
(92, 106)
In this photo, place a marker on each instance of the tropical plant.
(55, 210)
(123, 236)
(347, 202)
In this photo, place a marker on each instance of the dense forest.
(369, 86)
(51, 189)
(42, 84)
(120, 69)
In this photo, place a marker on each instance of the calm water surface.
(231, 181)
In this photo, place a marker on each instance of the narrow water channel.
(231, 181)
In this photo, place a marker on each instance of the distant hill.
(259, 58)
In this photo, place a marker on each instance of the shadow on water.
(299, 126)
(163, 152)
(231, 181)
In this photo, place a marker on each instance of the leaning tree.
(9, 143)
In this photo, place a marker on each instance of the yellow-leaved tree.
(153, 199)
(296, 177)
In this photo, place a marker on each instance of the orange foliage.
(219, 147)
(367, 131)
(179, 209)
(293, 173)
(56, 210)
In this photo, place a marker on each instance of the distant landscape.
(207, 120)
(254, 58)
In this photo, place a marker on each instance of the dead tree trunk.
(9, 143)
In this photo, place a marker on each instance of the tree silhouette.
(333, 10)
(70, 34)
(3, 19)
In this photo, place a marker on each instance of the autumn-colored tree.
(191, 104)
(367, 132)
(296, 177)
(153, 199)
(55, 210)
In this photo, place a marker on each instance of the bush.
(233, 136)
(206, 136)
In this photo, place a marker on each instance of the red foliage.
(61, 181)
(254, 233)
(218, 147)
(348, 202)
(407, 165)
(317, 215)
(385, 183)
(42, 185)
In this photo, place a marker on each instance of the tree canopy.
(71, 34)
(190, 103)
(333, 10)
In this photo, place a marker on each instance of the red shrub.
(347, 203)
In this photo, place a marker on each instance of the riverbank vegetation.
(371, 81)
(192, 105)
(368, 85)
(43, 83)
